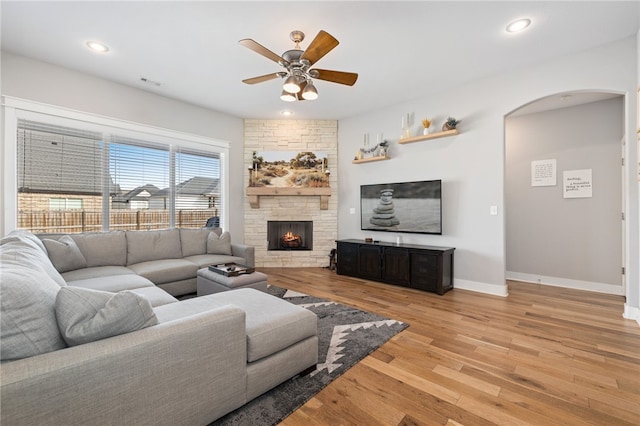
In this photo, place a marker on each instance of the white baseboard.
(494, 289)
(566, 283)
(631, 313)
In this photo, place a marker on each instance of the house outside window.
(65, 203)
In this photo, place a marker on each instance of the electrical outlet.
(352, 210)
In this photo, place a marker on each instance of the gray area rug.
(346, 335)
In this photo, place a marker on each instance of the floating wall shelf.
(254, 193)
(369, 160)
(435, 135)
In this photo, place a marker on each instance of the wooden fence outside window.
(74, 221)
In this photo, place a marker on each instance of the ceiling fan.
(298, 83)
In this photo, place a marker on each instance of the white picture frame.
(577, 183)
(543, 172)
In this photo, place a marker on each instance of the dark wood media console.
(426, 268)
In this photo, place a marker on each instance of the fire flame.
(290, 236)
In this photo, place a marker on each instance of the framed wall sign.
(543, 172)
(577, 183)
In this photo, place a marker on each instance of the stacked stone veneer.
(292, 135)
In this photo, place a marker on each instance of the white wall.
(45, 83)
(571, 242)
(633, 297)
(471, 164)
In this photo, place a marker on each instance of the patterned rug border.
(277, 404)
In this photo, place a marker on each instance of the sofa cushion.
(143, 246)
(27, 250)
(103, 248)
(65, 254)
(28, 321)
(114, 283)
(204, 260)
(24, 234)
(272, 324)
(96, 272)
(194, 241)
(166, 271)
(219, 244)
(218, 231)
(155, 295)
(27, 300)
(85, 315)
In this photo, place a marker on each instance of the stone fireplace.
(289, 235)
(320, 209)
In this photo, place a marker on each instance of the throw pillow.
(25, 249)
(219, 244)
(28, 322)
(86, 315)
(65, 254)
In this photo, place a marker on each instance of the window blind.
(58, 160)
(72, 180)
(198, 186)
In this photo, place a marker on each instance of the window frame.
(64, 201)
(15, 109)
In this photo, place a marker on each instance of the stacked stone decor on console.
(384, 214)
(292, 135)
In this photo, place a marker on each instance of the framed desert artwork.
(289, 169)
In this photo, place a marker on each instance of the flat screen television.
(413, 207)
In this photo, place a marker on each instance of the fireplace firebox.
(290, 235)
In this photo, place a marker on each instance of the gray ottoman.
(209, 282)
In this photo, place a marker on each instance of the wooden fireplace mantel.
(254, 193)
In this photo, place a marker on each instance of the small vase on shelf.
(426, 123)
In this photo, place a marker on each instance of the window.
(65, 203)
(197, 186)
(138, 167)
(74, 176)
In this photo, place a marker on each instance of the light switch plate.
(352, 210)
(493, 210)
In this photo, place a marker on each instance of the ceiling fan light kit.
(288, 97)
(310, 92)
(298, 83)
(292, 84)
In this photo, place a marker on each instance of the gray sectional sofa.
(167, 258)
(104, 343)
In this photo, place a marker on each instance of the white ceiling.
(401, 50)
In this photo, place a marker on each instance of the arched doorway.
(556, 233)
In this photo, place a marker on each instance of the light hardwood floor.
(541, 356)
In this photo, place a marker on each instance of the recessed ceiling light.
(97, 46)
(286, 113)
(518, 25)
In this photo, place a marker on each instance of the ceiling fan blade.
(258, 48)
(320, 46)
(261, 78)
(341, 77)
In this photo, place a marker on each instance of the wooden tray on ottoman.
(231, 269)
